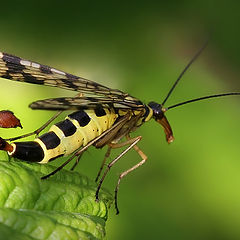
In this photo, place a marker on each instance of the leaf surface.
(60, 207)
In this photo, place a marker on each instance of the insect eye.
(159, 114)
(157, 110)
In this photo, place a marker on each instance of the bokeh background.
(189, 189)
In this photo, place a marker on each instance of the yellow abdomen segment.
(77, 130)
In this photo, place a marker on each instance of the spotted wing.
(76, 103)
(18, 69)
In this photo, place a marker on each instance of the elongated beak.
(167, 129)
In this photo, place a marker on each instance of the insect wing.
(18, 69)
(76, 103)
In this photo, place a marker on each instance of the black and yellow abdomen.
(63, 138)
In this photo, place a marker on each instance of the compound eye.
(157, 110)
(160, 114)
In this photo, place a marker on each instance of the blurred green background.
(189, 189)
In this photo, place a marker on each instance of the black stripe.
(13, 63)
(14, 68)
(6, 75)
(50, 139)
(28, 151)
(81, 116)
(146, 113)
(67, 127)
(99, 111)
(31, 79)
(69, 84)
(70, 76)
(8, 58)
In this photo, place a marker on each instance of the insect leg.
(106, 140)
(132, 142)
(59, 168)
(76, 162)
(103, 162)
(79, 152)
(36, 132)
(123, 174)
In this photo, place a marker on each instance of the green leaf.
(60, 207)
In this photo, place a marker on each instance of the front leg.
(132, 142)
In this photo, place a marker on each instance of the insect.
(101, 116)
(9, 120)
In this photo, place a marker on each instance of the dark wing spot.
(45, 69)
(13, 63)
(8, 58)
(69, 84)
(31, 79)
(70, 76)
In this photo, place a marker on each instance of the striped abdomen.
(63, 138)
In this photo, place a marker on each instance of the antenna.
(184, 70)
(203, 98)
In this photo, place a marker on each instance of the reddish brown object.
(5, 146)
(8, 120)
(167, 129)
